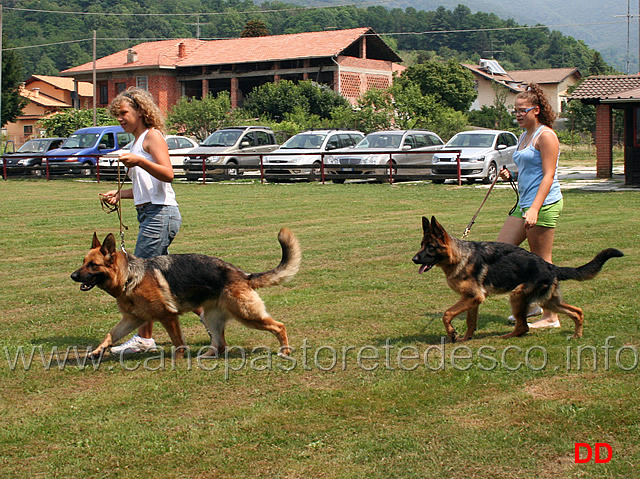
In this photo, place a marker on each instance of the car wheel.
(87, 169)
(388, 174)
(36, 169)
(316, 171)
(492, 172)
(232, 171)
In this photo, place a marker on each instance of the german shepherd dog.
(477, 269)
(164, 287)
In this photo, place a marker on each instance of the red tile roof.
(240, 50)
(62, 83)
(541, 76)
(606, 87)
(151, 54)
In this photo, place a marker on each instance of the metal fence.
(202, 171)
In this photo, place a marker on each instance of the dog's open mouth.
(87, 286)
(425, 267)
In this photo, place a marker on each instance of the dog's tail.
(590, 269)
(289, 264)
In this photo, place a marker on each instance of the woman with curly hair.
(151, 173)
(537, 212)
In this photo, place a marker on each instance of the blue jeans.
(159, 224)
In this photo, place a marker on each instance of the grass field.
(370, 391)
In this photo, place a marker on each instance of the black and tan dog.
(164, 287)
(477, 269)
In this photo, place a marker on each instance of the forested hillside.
(64, 39)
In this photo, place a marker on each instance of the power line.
(430, 32)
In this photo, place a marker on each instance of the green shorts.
(547, 216)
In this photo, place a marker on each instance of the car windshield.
(222, 138)
(471, 141)
(380, 140)
(34, 146)
(311, 141)
(83, 140)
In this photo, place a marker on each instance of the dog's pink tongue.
(423, 268)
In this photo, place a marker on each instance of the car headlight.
(330, 160)
(22, 162)
(476, 158)
(213, 159)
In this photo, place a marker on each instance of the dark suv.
(223, 146)
(28, 155)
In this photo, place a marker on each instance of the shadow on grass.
(435, 321)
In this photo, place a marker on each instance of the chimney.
(132, 56)
(36, 92)
(182, 50)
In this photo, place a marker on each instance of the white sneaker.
(135, 345)
(534, 311)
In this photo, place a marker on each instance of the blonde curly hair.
(536, 97)
(142, 101)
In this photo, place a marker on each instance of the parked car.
(95, 140)
(223, 146)
(178, 145)
(305, 149)
(368, 157)
(34, 149)
(483, 154)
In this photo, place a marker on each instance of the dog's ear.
(108, 245)
(437, 229)
(95, 243)
(425, 224)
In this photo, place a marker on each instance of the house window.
(27, 130)
(142, 82)
(103, 93)
(120, 87)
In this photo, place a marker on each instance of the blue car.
(85, 145)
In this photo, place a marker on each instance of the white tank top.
(146, 188)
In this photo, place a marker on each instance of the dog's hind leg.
(215, 320)
(556, 304)
(247, 307)
(466, 303)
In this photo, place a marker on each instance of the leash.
(473, 220)
(109, 208)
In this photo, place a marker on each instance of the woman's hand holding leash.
(505, 174)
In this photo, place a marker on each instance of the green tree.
(201, 117)
(12, 101)
(450, 83)
(275, 100)
(66, 122)
(255, 28)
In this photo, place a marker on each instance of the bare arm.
(154, 144)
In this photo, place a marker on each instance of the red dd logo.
(597, 447)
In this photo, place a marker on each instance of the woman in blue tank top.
(537, 212)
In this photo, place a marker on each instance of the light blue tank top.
(529, 162)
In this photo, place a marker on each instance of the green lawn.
(370, 390)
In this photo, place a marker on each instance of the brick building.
(607, 92)
(349, 61)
